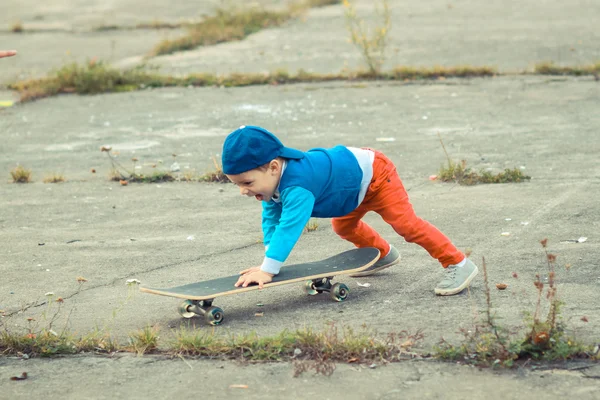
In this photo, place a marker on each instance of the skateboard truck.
(212, 315)
(337, 291)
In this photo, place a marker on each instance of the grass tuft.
(488, 344)
(17, 27)
(459, 173)
(232, 25)
(304, 344)
(94, 77)
(144, 341)
(225, 26)
(20, 174)
(54, 178)
(465, 71)
(215, 176)
(311, 226)
(549, 68)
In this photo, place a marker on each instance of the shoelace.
(452, 271)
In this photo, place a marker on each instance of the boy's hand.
(250, 270)
(7, 53)
(254, 276)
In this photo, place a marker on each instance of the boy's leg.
(392, 203)
(351, 228)
(390, 200)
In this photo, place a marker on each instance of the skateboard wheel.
(308, 288)
(184, 309)
(339, 292)
(214, 315)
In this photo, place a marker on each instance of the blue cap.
(249, 147)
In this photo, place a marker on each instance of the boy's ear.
(275, 165)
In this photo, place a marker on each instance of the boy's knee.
(343, 228)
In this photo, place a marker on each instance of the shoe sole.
(374, 270)
(450, 292)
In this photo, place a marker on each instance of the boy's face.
(259, 183)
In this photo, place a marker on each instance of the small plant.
(54, 178)
(98, 77)
(145, 340)
(490, 345)
(215, 176)
(223, 27)
(20, 174)
(308, 348)
(311, 226)
(188, 176)
(123, 175)
(546, 338)
(17, 27)
(551, 69)
(371, 45)
(459, 173)
(412, 73)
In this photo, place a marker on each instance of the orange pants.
(387, 197)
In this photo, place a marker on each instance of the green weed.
(438, 72)
(215, 176)
(98, 77)
(144, 341)
(459, 173)
(54, 178)
(230, 25)
(304, 345)
(124, 175)
(549, 68)
(20, 174)
(225, 26)
(17, 27)
(156, 25)
(372, 45)
(311, 226)
(489, 344)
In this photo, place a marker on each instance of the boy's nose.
(243, 191)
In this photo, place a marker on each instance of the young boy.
(342, 183)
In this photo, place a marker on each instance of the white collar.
(276, 196)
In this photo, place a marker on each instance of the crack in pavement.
(113, 281)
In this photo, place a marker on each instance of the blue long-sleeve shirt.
(325, 183)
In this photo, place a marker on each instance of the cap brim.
(287, 152)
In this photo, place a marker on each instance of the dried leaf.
(238, 386)
(19, 378)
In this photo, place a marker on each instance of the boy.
(342, 183)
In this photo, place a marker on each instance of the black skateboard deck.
(317, 275)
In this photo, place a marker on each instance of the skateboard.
(316, 276)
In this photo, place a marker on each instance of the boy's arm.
(270, 218)
(296, 208)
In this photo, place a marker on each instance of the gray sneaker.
(392, 258)
(457, 279)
